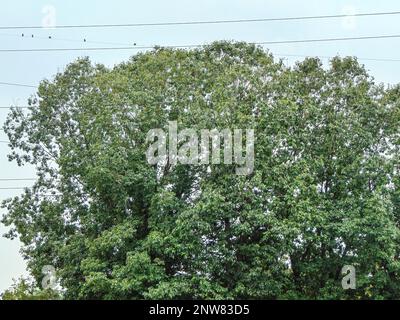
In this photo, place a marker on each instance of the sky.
(32, 67)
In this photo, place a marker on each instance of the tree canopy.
(324, 192)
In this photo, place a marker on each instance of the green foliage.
(324, 193)
(24, 289)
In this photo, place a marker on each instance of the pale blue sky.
(30, 68)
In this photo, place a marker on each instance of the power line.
(329, 39)
(179, 23)
(17, 85)
(330, 57)
(41, 195)
(98, 48)
(199, 45)
(23, 188)
(14, 107)
(17, 179)
(85, 40)
(52, 38)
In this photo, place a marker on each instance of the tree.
(324, 191)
